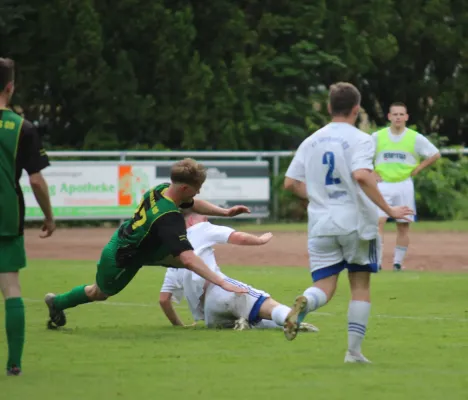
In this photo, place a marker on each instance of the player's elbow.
(36, 180)
(362, 176)
(164, 299)
(236, 238)
(289, 184)
(187, 258)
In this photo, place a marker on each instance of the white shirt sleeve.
(296, 169)
(173, 283)
(219, 234)
(424, 147)
(363, 154)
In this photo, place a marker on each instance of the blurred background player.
(20, 148)
(155, 235)
(397, 159)
(219, 308)
(333, 169)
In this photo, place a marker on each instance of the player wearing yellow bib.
(398, 155)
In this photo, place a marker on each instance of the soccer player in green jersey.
(155, 235)
(20, 148)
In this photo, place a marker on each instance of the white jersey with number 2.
(325, 162)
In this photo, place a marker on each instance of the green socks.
(73, 298)
(14, 325)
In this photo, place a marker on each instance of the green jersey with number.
(155, 235)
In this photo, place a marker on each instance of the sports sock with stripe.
(358, 316)
(316, 298)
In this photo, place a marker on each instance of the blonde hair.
(189, 172)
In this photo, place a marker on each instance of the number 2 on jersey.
(329, 159)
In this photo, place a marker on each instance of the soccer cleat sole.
(293, 320)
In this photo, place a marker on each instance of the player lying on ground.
(219, 308)
(155, 235)
(333, 170)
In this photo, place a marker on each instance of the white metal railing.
(258, 155)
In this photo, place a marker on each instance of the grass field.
(420, 226)
(125, 349)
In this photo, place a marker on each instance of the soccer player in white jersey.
(399, 151)
(333, 170)
(217, 308)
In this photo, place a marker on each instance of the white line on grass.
(383, 316)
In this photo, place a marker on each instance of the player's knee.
(10, 285)
(360, 286)
(403, 229)
(360, 294)
(94, 293)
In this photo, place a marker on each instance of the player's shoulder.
(202, 227)
(162, 187)
(16, 120)
(356, 135)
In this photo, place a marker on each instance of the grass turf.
(125, 349)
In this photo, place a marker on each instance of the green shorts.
(12, 254)
(110, 278)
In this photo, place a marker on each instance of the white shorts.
(223, 308)
(398, 194)
(329, 255)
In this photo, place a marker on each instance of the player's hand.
(377, 177)
(265, 238)
(401, 212)
(229, 287)
(237, 210)
(48, 227)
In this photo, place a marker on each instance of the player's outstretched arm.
(196, 264)
(168, 309)
(296, 187)
(366, 180)
(247, 239)
(206, 208)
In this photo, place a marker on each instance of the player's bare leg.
(382, 222)
(402, 243)
(312, 299)
(358, 315)
(14, 320)
(78, 295)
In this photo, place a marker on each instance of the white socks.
(267, 324)
(316, 298)
(358, 316)
(399, 256)
(279, 314)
